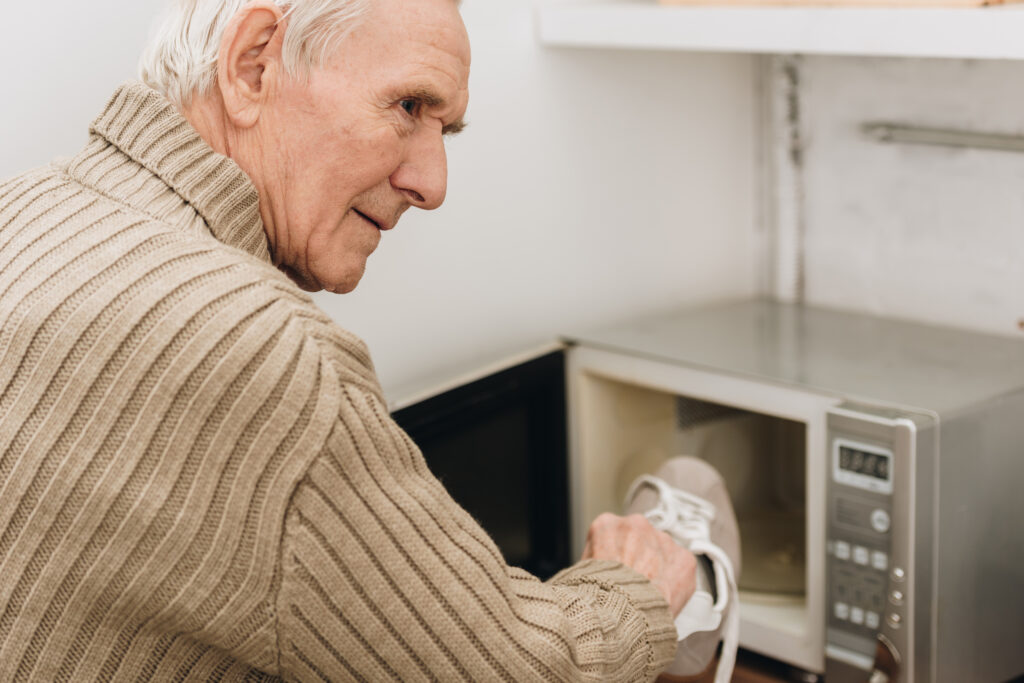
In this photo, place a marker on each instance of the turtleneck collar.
(149, 129)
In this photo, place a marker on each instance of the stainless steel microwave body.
(877, 467)
(898, 448)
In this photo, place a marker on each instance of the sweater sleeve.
(385, 577)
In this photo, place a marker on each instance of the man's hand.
(635, 543)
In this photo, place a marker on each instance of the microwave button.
(842, 611)
(860, 555)
(880, 521)
(842, 550)
(857, 615)
(894, 620)
(879, 560)
(898, 575)
(896, 597)
(872, 620)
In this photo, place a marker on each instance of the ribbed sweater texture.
(199, 478)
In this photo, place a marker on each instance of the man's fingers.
(634, 542)
(636, 539)
(605, 538)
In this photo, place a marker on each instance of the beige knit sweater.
(200, 480)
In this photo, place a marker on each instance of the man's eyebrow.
(428, 97)
(454, 128)
(432, 100)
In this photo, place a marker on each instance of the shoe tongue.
(698, 615)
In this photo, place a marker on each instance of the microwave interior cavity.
(632, 429)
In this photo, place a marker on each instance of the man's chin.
(343, 288)
(310, 283)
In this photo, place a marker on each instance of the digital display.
(862, 462)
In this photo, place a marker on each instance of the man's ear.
(250, 60)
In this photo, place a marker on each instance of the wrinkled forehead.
(437, 22)
(411, 35)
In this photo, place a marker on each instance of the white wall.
(62, 60)
(928, 233)
(595, 184)
(589, 186)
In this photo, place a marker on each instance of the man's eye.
(410, 106)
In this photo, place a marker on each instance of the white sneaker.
(688, 500)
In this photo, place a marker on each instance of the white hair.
(180, 61)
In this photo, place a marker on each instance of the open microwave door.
(497, 440)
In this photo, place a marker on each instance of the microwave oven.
(876, 467)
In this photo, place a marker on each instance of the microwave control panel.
(859, 546)
(868, 592)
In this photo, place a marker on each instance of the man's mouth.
(367, 219)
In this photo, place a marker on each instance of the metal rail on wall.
(941, 137)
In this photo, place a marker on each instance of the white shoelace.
(687, 519)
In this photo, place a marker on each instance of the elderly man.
(200, 480)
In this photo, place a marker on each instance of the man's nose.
(423, 176)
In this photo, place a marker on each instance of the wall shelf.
(984, 33)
